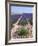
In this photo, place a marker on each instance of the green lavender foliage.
(22, 32)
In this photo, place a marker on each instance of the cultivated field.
(21, 25)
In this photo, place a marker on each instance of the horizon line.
(21, 13)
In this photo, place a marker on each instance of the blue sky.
(18, 9)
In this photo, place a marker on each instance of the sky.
(20, 10)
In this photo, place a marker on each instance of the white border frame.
(34, 25)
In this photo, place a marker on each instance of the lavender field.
(25, 16)
(21, 25)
